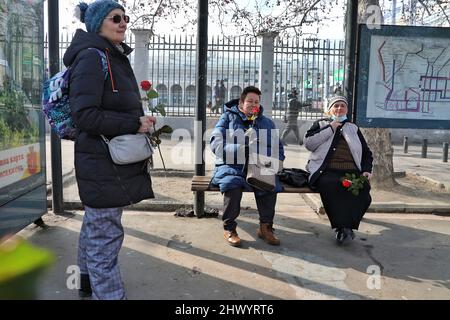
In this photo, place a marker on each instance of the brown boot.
(265, 232)
(232, 238)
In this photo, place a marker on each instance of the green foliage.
(158, 109)
(152, 94)
(14, 111)
(15, 129)
(356, 182)
(154, 137)
(20, 266)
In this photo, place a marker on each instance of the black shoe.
(340, 235)
(85, 290)
(349, 233)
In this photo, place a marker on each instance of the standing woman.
(338, 148)
(108, 106)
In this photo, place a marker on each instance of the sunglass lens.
(117, 18)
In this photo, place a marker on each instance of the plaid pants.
(101, 238)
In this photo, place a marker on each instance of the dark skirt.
(344, 209)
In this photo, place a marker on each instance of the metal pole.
(351, 23)
(394, 8)
(424, 148)
(405, 144)
(200, 110)
(55, 142)
(445, 152)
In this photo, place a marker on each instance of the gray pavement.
(394, 256)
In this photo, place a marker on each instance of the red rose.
(255, 110)
(346, 183)
(146, 85)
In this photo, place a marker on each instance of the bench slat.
(201, 183)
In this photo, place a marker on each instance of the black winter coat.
(97, 110)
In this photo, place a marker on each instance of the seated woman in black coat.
(338, 151)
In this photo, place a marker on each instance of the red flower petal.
(146, 85)
(346, 183)
(255, 110)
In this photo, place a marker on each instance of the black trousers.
(343, 209)
(232, 207)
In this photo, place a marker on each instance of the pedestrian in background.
(291, 117)
(219, 96)
(338, 151)
(109, 107)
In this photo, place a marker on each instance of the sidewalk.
(394, 256)
(167, 257)
(172, 187)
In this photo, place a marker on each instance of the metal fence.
(314, 67)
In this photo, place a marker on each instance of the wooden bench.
(202, 183)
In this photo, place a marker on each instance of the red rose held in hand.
(255, 110)
(346, 183)
(146, 85)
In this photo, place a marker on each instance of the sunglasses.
(118, 18)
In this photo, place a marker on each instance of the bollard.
(405, 144)
(445, 152)
(424, 148)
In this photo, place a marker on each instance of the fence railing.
(314, 67)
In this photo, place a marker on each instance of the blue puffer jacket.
(228, 145)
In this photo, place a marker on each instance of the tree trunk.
(379, 142)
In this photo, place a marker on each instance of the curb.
(433, 184)
(313, 200)
(145, 205)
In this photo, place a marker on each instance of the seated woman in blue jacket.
(340, 167)
(230, 144)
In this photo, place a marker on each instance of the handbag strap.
(104, 139)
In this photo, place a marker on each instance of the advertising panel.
(22, 131)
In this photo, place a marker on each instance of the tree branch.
(443, 11)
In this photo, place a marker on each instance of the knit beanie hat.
(335, 99)
(93, 14)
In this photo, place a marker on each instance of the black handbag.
(294, 177)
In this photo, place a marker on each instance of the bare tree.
(252, 17)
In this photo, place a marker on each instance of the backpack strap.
(106, 66)
(110, 71)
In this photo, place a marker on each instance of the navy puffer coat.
(97, 110)
(229, 172)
